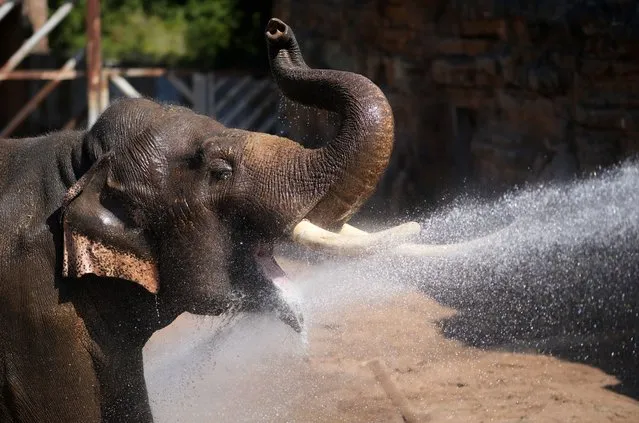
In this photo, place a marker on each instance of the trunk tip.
(277, 31)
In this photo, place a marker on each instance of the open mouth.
(281, 300)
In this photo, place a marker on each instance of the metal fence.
(239, 101)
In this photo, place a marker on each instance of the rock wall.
(487, 94)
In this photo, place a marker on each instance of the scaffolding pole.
(94, 62)
(33, 103)
(5, 8)
(124, 86)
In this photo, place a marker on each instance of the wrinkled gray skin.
(110, 234)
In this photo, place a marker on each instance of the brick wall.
(486, 93)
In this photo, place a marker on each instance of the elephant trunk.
(345, 171)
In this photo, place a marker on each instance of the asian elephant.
(107, 235)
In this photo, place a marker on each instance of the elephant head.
(190, 210)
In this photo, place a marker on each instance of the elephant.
(110, 233)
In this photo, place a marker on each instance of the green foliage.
(200, 33)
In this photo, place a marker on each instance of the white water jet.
(567, 263)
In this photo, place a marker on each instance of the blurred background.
(487, 94)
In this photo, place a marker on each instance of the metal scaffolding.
(97, 77)
(242, 101)
(17, 57)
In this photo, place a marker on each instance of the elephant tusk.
(350, 240)
(352, 230)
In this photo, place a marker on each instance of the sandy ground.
(255, 376)
(444, 380)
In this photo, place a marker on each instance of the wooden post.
(396, 397)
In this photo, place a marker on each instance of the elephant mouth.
(270, 268)
(280, 297)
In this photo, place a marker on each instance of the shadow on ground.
(580, 304)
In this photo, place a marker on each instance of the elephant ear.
(98, 238)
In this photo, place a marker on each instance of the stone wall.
(487, 94)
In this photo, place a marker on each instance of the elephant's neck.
(123, 392)
(119, 315)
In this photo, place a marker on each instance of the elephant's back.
(27, 244)
(8, 150)
(22, 209)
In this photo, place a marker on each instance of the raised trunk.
(349, 167)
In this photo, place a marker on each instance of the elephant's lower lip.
(285, 304)
(272, 270)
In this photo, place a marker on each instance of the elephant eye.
(222, 175)
(221, 170)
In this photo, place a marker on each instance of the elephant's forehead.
(184, 132)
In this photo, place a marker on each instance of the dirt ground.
(443, 379)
